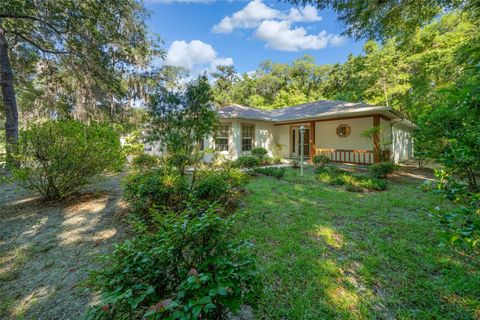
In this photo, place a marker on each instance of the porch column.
(312, 140)
(376, 139)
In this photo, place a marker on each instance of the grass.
(325, 252)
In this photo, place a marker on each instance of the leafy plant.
(352, 182)
(382, 169)
(277, 160)
(321, 159)
(192, 269)
(271, 171)
(145, 161)
(247, 162)
(155, 188)
(57, 158)
(219, 185)
(295, 163)
(259, 153)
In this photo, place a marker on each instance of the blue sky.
(200, 34)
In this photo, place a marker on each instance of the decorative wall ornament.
(343, 130)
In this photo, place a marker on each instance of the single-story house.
(333, 128)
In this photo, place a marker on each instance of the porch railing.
(347, 156)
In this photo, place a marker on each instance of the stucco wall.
(264, 133)
(402, 143)
(326, 134)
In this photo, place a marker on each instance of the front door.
(296, 143)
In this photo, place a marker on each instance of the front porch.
(340, 140)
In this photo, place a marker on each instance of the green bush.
(353, 183)
(192, 269)
(277, 160)
(155, 188)
(272, 172)
(145, 161)
(259, 153)
(219, 185)
(382, 169)
(321, 159)
(57, 158)
(247, 162)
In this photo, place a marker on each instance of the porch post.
(312, 140)
(376, 139)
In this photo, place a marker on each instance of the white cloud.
(249, 17)
(255, 12)
(189, 54)
(305, 14)
(194, 55)
(280, 35)
(221, 62)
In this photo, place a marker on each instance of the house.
(333, 128)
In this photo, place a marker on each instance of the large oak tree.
(85, 47)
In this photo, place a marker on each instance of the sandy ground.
(46, 250)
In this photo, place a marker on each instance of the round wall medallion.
(343, 131)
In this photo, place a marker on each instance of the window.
(343, 131)
(247, 136)
(221, 137)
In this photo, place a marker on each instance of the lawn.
(328, 253)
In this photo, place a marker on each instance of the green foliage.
(259, 153)
(180, 119)
(247, 162)
(322, 160)
(382, 169)
(192, 269)
(352, 182)
(277, 160)
(155, 188)
(460, 223)
(295, 163)
(220, 184)
(271, 171)
(145, 161)
(57, 158)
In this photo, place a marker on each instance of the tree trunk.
(8, 94)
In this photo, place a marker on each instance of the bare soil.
(47, 249)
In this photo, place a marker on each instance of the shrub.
(193, 269)
(219, 185)
(352, 182)
(145, 161)
(259, 153)
(277, 160)
(272, 172)
(382, 169)
(295, 163)
(155, 188)
(321, 159)
(57, 158)
(247, 162)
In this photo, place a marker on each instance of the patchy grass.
(325, 252)
(46, 250)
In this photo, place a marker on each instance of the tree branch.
(36, 45)
(15, 16)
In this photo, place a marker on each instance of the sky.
(201, 34)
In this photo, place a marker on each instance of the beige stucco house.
(332, 128)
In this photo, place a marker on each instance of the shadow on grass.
(327, 253)
(48, 248)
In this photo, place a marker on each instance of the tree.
(84, 49)
(181, 119)
(373, 19)
(225, 77)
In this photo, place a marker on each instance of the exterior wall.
(326, 134)
(264, 133)
(402, 143)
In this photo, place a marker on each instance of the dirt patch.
(46, 250)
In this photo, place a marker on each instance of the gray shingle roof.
(302, 111)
